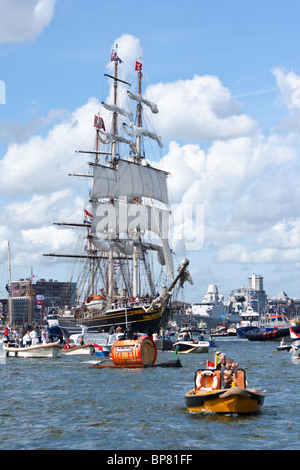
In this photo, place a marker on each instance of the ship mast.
(110, 277)
(139, 119)
(9, 287)
(137, 159)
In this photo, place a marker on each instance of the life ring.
(206, 373)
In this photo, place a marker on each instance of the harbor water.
(62, 404)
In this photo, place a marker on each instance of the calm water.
(62, 404)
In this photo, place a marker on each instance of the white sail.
(107, 138)
(129, 219)
(129, 180)
(100, 244)
(168, 257)
(139, 131)
(140, 99)
(116, 109)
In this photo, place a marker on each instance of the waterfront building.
(253, 296)
(29, 300)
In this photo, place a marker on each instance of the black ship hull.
(136, 317)
(274, 334)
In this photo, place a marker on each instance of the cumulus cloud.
(22, 21)
(41, 164)
(200, 108)
(289, 87)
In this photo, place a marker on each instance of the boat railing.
(130, 303)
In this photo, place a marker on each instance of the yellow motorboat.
(207, 396)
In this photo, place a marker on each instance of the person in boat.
(34, 336)
(222, 362)
(202, 338)
(27, 339)
(43, 336)
(227, 379)
(228, 371)
(47, 329)
(155, 336)
(186, 336)
(81, 341)
(6, 335)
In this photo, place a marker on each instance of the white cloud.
(199, 108)
(41, 164)
(22, 21)
(289, 87)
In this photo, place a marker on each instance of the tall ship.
(126, 222)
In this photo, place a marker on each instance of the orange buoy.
(141, 351)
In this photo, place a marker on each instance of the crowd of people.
(27, 337)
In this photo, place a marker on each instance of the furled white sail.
(168, 257)
(138, 131)
(140, 99)
(130, 180)
(116, 109)
(126, 247)
(107, 138)
(100, 244)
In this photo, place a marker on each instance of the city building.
(253, 296)
(30, 300)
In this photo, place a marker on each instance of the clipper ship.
(129, 208)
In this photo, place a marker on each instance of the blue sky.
(225, 76)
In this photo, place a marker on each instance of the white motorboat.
(74, 347)
(36, 350)
(191, 341)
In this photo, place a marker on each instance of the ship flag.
(294, 335)
(138, 66)
(114, 56)
(86, 215)
(99, 123)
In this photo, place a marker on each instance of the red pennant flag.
(138, 66)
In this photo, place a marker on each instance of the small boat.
(231, 331)
(104, 347)
(36, 350)
(207, 395)
(284, 347)
(189, 341)
(74, 348)
(220, 331)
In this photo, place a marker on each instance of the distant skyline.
(226, 79)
